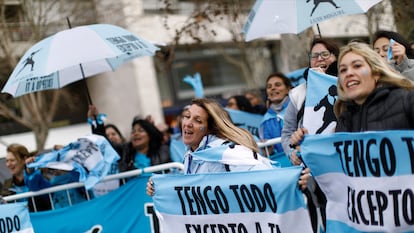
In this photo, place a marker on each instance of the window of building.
(218, 76)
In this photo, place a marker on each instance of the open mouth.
(352, 83)
(323, 66)
(274, 94)
(188, 132)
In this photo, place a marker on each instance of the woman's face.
(14, 165)
(232, 104)
(254, 100)
(276, 90)
(381, 47)
(356, 78)
(321, 57)
(139, 137)
(194, 126)
(113, 136)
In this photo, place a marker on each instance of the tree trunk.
(403, 14)
(294, 50)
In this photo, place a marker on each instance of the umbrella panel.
(269, 17)
(74, 54)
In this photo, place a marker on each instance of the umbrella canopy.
(74, 54)
(293, 16)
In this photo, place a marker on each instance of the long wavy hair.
(220, 124)
(387, 76)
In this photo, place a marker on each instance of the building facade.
(149, 85)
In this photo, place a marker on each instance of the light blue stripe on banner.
(15, 218)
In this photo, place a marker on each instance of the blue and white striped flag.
(15, 218)
(254, 201)
(367, 179)
(321, 94)
(91, 156)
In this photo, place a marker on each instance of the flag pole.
(83, 73)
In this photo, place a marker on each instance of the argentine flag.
(321, 94)
(91, 156)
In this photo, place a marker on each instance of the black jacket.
(40, 203)
(387, 108)
(128, 156)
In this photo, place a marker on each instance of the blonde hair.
(220, 124)
(387, 76)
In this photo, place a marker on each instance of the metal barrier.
(270, 142)
(120, 176)
(66, 187)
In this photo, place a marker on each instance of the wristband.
(100, 119)
(91, 122)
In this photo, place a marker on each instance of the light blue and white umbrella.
(74, 54)
(293, 16)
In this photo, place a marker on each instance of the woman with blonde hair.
(215, 144)
(206, 126)
(371, 95)
(220, 124)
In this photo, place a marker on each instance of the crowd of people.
(374, 88)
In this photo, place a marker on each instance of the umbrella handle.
(86, 85)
